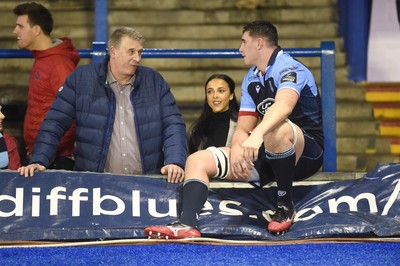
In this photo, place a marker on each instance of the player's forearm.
(239, 136)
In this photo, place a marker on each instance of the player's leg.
(212, 162)
(310, 160)
(200, 166)
(308, 164)
(282, 150)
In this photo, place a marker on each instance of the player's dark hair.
(262, 28)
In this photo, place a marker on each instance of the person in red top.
(55, 59)
(9, 156)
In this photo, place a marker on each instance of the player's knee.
(283, 139)
(197, 161)
(191, 159)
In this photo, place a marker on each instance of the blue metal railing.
(326, 52)
(99, 51)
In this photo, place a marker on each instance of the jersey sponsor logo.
(289, 77)
(252, 78)
(264, 105)
(289, 68)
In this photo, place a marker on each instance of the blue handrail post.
(101, 31)
(328, 84)
(354, 22)
(99, 52)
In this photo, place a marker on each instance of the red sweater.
(49, 71)
(14, 161)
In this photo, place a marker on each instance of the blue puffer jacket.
(87, 97)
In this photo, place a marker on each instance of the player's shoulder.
(286, 64)
(251, 75)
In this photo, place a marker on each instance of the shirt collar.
(277, 52)
(111, 79)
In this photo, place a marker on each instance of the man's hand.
(174, 173)
(29, 170)
(240, 168)
(250, 147)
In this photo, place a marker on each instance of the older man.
(126, 116)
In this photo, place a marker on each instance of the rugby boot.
(282, 220)
(174, 230)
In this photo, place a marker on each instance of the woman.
(9, 156)
(218, 119)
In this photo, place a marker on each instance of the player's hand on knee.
(250, 148)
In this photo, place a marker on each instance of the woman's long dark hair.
(197, 129)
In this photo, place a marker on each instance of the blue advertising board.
(64, 205)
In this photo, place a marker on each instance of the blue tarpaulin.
(64, 205)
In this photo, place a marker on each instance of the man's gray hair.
(119, 33)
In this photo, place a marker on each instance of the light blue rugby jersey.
(283, 71)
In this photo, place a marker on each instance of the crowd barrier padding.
(64, 205)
